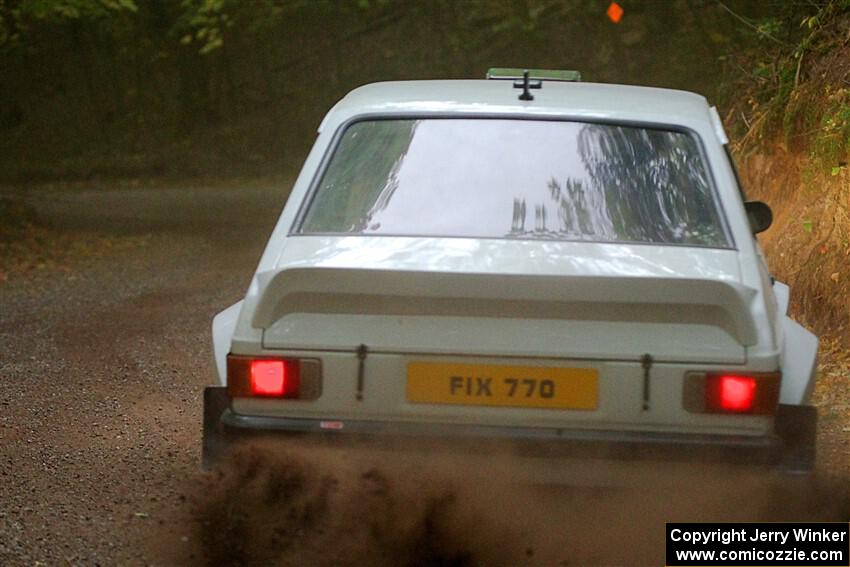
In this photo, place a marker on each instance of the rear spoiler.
(399, 292)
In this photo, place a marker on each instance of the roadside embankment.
(790, 121)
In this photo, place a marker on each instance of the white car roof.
(496, 97)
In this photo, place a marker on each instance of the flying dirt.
(274, 503)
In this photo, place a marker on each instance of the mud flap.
(214, 442)
(797, 426)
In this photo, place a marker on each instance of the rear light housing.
(273, 377)
(732, 392)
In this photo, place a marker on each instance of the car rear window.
(523, 179)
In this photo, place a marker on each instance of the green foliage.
(140, 82)
(74, 9)
(832, 142)
(7, 33)
(17, 19)
(769, 27)
(787, 100)
(205, 22)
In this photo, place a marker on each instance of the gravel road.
(102, 364)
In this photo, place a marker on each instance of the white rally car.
(566, 266)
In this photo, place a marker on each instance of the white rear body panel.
(575, 305)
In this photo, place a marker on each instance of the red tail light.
(271, 377)
(263, 377)
(726, 392)
(736, 393)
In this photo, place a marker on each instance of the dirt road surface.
(103, 364)
(103, 357)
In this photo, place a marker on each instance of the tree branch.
(748, 24)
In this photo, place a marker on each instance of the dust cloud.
(281, 505)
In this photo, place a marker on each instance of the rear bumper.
(791, 448)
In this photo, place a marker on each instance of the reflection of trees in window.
(518, 221)
(362, 176)
(402, 136)
(540, 219)
(655, 187)
(582, 213)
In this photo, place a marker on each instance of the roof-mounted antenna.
(525, 84)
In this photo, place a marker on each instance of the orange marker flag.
(614, 12)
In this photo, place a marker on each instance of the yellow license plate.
(506, 386)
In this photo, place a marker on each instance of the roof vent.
(534, 74)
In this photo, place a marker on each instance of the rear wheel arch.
(223, 326)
